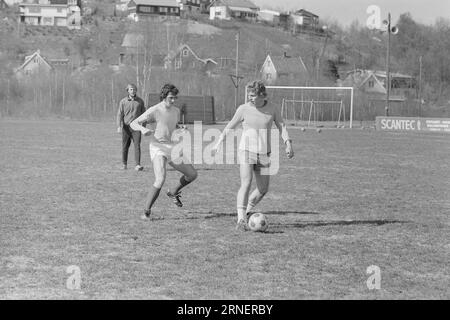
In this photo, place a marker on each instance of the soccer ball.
(257, 222)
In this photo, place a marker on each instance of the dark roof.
(289, 65)
(58, 1)
(305, 12)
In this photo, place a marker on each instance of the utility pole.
(420, 86)
(321, 54)
(388, 57)
(236, 74)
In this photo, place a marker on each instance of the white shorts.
(162, 149)
(259, 160)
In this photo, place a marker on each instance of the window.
(177, 64)
(371, 83)
(147, 9)
(163, 9)
(185, 52)
(47, 21)
(34, 9)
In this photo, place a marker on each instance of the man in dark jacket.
(130, 108)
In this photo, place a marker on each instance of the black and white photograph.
(240, 153)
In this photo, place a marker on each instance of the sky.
(346, 11)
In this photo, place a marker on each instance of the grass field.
(349, 199)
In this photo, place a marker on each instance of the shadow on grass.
(334, 223)
(204, 169)
(290, 212)
(208, 215)
(193, 215)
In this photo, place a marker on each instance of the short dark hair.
(131, 85)
(166, 89)
(257, 87)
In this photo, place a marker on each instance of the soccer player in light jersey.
(256, 117)
(166, 116)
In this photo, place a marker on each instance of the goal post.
(311, 105)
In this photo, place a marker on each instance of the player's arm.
(119, 117)
(142, 111)
(180, 124)
(284, 133)
(237, 119)
(139, 123)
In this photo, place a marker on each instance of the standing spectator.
(130, 108)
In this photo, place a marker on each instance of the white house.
(64, 13)
(122, 5)
(285, 68)
(153, 10)
(233, 9)
(269, 16)
(305, 19)
(36, 64)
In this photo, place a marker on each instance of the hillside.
(94, 53)
(101, 37)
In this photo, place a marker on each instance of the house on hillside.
(304, 21)
(37, 64)
(370, 92)
(182, 58)
(3, 5)
(122, 5)
(134, 46)
(65, 13)
(269, 16)
(153, 9)
(233, 9)
(284, 69)
(273, 18)
(189, 7)
(185, 59)
(204, 6)
(373, 83)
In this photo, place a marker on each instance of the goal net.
(314, 106)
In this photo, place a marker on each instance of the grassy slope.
(349, 199)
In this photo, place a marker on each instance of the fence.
(193, 108)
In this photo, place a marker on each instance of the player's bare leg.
(159, 168)
(246, 173)
(189, 175)
(262, 186)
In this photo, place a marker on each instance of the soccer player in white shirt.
(166, 116)
(256, 117)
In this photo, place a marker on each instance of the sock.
(241, 214)
(151, 197)
(254, 199)
(250, 206)
(183, 182)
